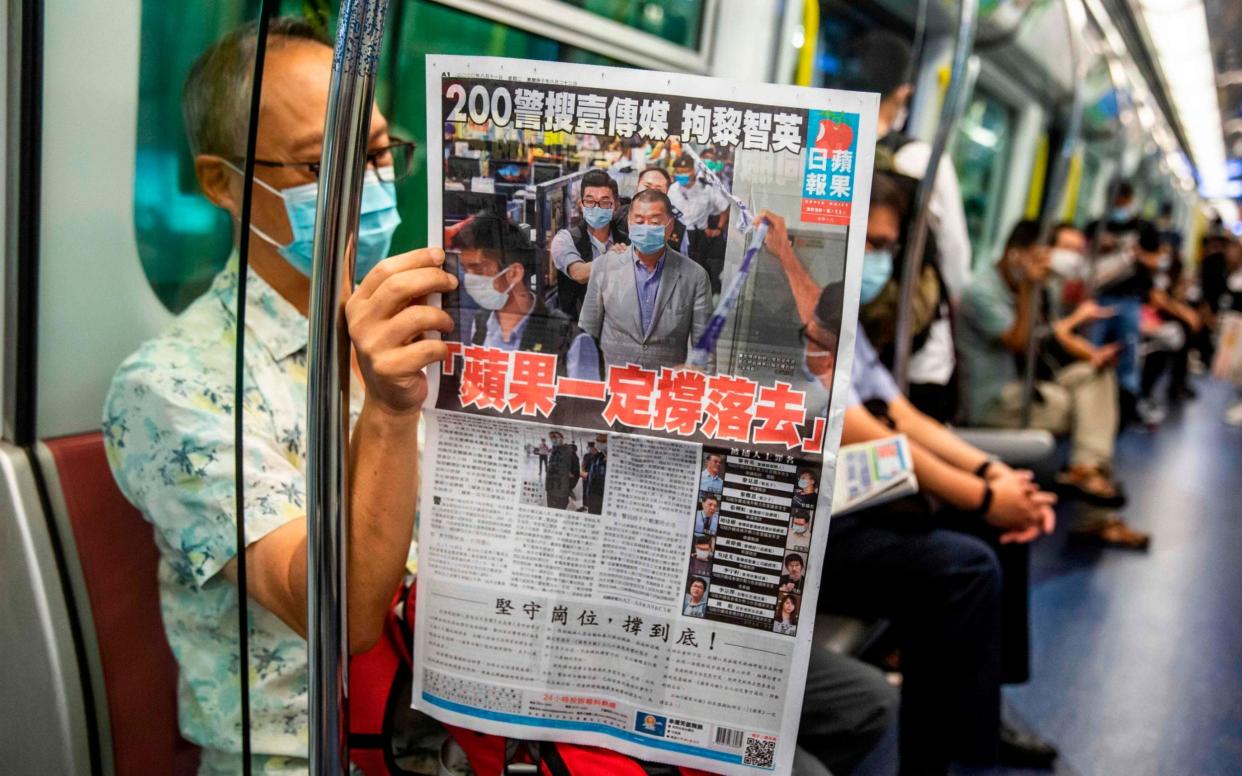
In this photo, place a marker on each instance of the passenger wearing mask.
(653, 178)
(881, 63)
(646, 305)
(705, 211)
(498, 263)
(573, 250)
(173, 398)
(941, 587)
(1079, 396)
(1171, 326)
(1122, 282)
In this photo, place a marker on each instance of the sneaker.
(1149, 412)
(1233, 415)
(1019, 749)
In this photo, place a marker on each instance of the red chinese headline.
(677, 401)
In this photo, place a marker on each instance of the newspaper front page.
(630, 450)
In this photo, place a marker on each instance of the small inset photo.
(806, 492)
(702, 548)
(696, 596)
(707, 518)
(711, 479)
(799, 530)
(564, 469)
(787, 613)
(793, 571)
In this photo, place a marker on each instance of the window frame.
(583, 29)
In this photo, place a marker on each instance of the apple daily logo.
(828, 176)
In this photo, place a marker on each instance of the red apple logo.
(834, 136)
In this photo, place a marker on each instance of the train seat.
(112, 557)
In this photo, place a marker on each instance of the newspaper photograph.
(631, 449)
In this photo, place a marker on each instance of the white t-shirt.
(946, 217)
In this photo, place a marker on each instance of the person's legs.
(942, 591)
(1095, 414)
(846, 708)
(1050, 408)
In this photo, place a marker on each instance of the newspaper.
(873, 473)
(630, 449)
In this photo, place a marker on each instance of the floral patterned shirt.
(168, 430)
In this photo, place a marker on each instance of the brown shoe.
(1112, 531)
(1093, 486)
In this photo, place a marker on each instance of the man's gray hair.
(215, 101)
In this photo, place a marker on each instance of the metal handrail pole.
(1058, 191)
(916, 240)
(343, 166)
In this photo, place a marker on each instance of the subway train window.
(183, 239)
(981, 153)
(420, 27)
(677, 21)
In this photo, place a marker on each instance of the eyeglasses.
(397, 156)
(604, 203)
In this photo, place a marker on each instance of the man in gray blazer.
(648, 304)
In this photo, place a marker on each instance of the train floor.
(1137, 657)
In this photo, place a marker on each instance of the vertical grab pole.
(916, 240)
(1076, 21)
(343, 165)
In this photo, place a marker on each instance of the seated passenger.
(1121, 284)
(498, 265)
(941, 588)
(1079, 399)
(647, 305)
(169, 412)
(882, 64)
(168, 423)
(575, 248)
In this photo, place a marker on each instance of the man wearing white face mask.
(169, 414)
(498, 262)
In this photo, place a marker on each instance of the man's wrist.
(381, 418)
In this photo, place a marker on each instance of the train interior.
(1136, 656)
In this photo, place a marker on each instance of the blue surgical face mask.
(877, 269)
(377, 221)
(682, 179)
(1121, 214)
(597, 217)
(647, 238)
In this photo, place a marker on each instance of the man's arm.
(804, 288)
(933, 436)
(1066, 333)
(1017, 505)
(591, 317)
(567, 259)
(387, 319)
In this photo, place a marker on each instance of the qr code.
(759, 752)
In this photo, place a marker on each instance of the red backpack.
(380, 682)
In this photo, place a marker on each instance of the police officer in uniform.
(562, 473)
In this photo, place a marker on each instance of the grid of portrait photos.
(752, 537)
